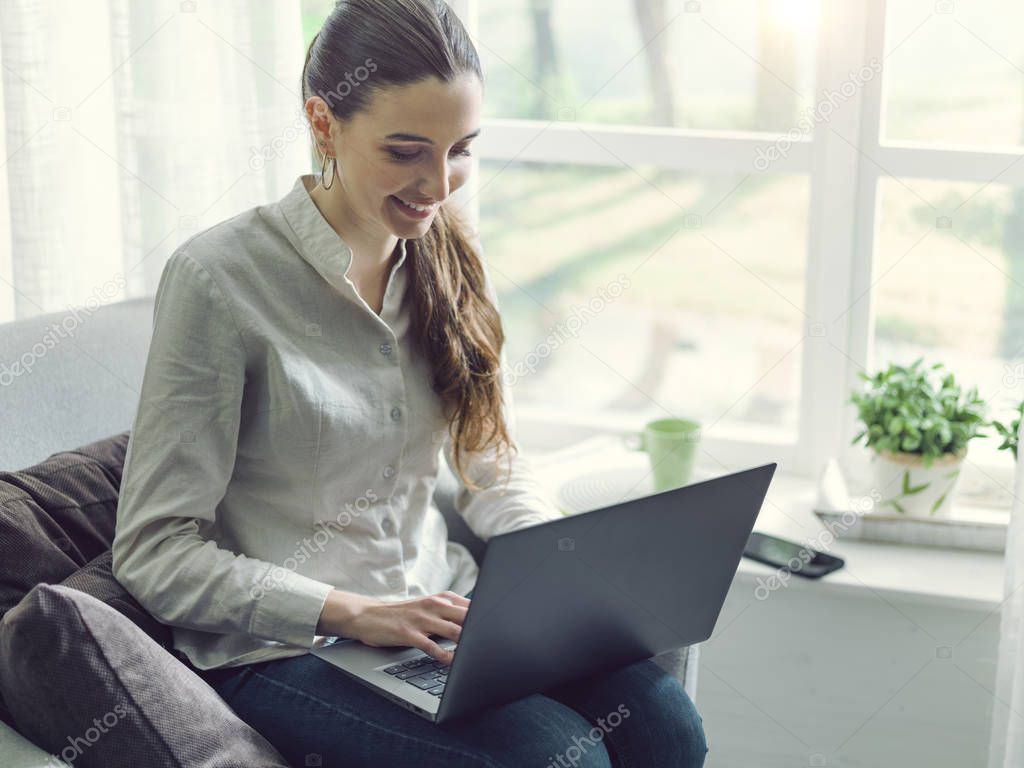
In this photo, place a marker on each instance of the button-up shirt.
(287, 443)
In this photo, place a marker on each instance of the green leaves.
(1009, 432)
(917, 409)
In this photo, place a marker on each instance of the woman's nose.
(438, 186)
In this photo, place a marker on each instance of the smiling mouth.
(412, 209)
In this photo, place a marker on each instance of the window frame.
(844, 159)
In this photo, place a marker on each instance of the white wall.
(804, 678)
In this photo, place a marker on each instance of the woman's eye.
(404, 157)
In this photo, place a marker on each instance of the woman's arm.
(180, 458)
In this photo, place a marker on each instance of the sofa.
(69, 386)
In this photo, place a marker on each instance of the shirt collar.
(319, 244)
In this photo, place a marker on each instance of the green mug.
(672, 446)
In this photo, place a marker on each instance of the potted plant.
(918, 421)
(1010, 432)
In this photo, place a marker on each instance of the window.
(624, 145)
(949, 285)
(622, 299)
(954, 72)
(733, 65)
(774, 168)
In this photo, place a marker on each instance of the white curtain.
(129, 126)
(1006, 749)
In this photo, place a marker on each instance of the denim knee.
(535, 731)
(552, 736)
(677, 719)
(572, 748)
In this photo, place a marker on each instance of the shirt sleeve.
(499, 508)
(180, 458)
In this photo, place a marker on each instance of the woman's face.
(412, 144)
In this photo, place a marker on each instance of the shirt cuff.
(288, 608)
(535, 515)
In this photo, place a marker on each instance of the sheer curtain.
(128, 127)
(1006, 749)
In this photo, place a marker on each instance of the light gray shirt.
(287, 442)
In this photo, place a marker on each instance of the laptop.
(577, 596)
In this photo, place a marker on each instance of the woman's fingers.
(431, 648)
(447, 629)
(456, 613)
(444, 606)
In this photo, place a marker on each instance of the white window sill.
(930, 575)
(926, 575)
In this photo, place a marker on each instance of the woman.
(310, 361)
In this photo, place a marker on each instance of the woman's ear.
(320, 122)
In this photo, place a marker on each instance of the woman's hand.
(406, 622)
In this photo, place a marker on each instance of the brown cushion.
(86, 684)
(58, 515)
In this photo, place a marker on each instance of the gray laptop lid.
(591, 592)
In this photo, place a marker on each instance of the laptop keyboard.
(425, 672)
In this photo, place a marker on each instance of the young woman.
(310, 361)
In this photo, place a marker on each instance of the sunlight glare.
(800, 15)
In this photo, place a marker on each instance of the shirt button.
(385, 349)
(389, 471)
(387, 525)
(396, 413)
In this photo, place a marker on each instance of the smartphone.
(790, 556)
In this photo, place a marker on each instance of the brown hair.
(457, 327)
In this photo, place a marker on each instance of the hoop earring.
(323, 168)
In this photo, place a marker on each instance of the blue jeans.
(637, 716)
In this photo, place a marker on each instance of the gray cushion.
(86, 684)
(97, 579)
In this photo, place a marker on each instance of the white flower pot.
(903, 485)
